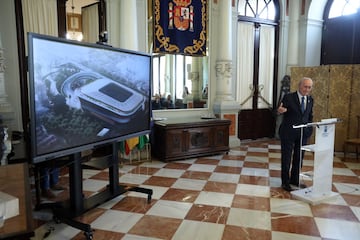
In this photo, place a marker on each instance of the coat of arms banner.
(180, 27)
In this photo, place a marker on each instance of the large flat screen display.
(84, 95)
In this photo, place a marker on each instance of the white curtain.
(90, 23)
(40, 16)
(266, 65)
(245, 55)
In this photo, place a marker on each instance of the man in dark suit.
(297, 109)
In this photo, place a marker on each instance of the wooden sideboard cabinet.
(185, 138)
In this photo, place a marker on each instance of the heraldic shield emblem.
(182, 15)
(180, 27)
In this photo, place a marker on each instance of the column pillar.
(122, 24)
(128, 25)
(224, 104)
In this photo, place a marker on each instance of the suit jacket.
(294, 116)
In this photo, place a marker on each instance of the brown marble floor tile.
(196, 175)
(272, 150)
(339, 165)
(99, 234)
(346, 179)
(206, 213)
(294, 224)
(251, 202)
(307, 169)
(351, 199)
(178, 165)
(156, 227)
(275, 173)
(249, 164)
(90, 215)
(258, 154)
(255, 180)
(101, 176)
(134, 204)
(243, 233)
(180, 195)
(221, 187)
(207, 161)
(334, 212)
(144, 170)
(160, 181)
(278, 192)
(227, 169)
(274, 160)
(356, 171)
(233, 157)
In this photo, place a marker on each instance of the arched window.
(341, 18)
(343, 8)
(257, 46)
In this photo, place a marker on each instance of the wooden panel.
(354, 102)
(257, 123)
(336, 94)
(185, 138)
(14, 180)
(339, 100)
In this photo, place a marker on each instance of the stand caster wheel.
(88, 235)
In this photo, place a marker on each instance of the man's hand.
(281, 109)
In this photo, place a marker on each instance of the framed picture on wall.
(73, 22)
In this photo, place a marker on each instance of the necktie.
(302, 104)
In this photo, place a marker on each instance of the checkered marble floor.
(230, 196)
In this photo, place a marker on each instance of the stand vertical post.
(323, 163)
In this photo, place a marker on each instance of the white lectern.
(323, 162)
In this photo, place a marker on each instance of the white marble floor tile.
(231, 163)
(288, 206)
(153, 164)
(249, 218)
(202, 167)
(274, 182)
(110, 203)
(356, 211)
(199, 231)
(337, 229)
(215, 199)
(253, 190)
(260, 172)
(126, 168)
(170, 209)
(343, 171)
(257, 149)
(158, 192)
(273, 146)
(347, 188)
(116, 221)
(94, 185)
(352, 165)
(224, 177)
(189, 184)
(137, 237)
(131, 178)
(275, 166)
(171, 173)
(233, 152)
(88, 173)
(275, 155)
